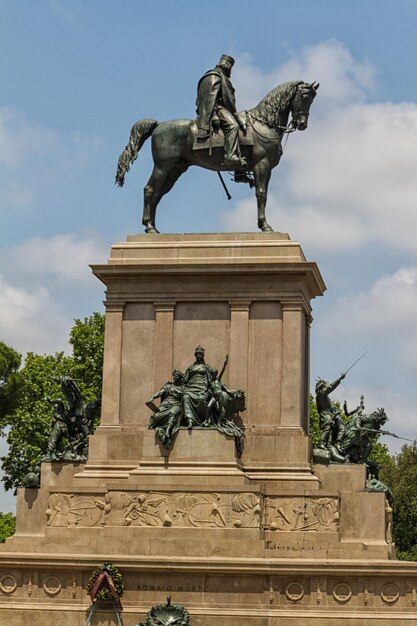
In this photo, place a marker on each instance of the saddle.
(217, 140)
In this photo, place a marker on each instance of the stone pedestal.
(246, 295)
(267, 538)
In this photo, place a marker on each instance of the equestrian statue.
(247, 143)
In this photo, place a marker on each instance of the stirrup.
(244, 177)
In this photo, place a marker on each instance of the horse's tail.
(141, 131)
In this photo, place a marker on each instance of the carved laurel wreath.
(104, 592)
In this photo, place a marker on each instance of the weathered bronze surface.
(173, 141)
(216, 108)
(349, 439)
(166, 419)
(72, 423)
(167, 614)
(197, 399)
(356, 442)
(331, 422)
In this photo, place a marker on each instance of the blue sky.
(77, 74)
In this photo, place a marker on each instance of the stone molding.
(347, 596)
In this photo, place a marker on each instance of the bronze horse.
(172, 147)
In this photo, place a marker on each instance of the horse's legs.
(161, 181)
(262, 174)
(151, 198)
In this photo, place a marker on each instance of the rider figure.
(216, 107)
(331, 422)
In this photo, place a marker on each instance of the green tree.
(28, 426)
(7, 526)
(381, 454)
(314, 421)
(87, 341)
(400, 474)
(10, 380)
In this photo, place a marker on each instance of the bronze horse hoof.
(265, 227)
(151, 230)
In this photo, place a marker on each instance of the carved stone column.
(164, 327)
(293, 364)
(239, 340)
(110, 412)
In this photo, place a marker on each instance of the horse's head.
(378, 417)
(302, 100)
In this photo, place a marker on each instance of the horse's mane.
(377, 417)
(274, 103)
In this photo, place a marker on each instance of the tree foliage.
(314, 421)
(400, 474)
(10, 380)
(87, 341)
(28, 426)
(7, 526)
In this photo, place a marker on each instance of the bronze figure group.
(73, 422)
(346, 437)
(197, 399)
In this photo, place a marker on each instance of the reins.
(286, 129)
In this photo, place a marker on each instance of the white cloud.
(351, 175)
(64, 256)
(385, 315)
(46, 283)
(63, 11)
(37, 159)
(16, 194)
(341, 77)
(390, 304)
(21, 140)
(30, 320)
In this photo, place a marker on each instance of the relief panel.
(179, 509)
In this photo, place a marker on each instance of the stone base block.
(39, 590)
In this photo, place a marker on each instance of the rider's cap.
(225, 57)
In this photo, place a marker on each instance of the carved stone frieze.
(74, 510)
(52, 585)
(342, 593)
(294, 592)
(318, 592)
(199, 509)
(8, 584)
(390, 593)
(301, 514)
(179, 509)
